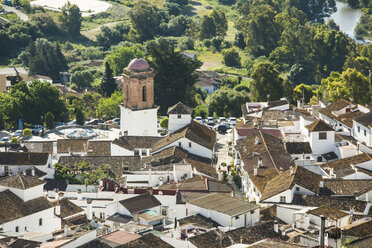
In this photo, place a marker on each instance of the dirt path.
(91, 33)
(21, 15)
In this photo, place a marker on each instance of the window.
(143, 152)
(190, 144)
(297, 188)
(101, 215)
(320, 159)
(323, 136)
(25, 228)
(307, 157)
(17, 229)
(144, 94)
(282, 199)
(358, 129)
(237, 217)
(40, 222)
(365, 132)
(179, 144)
(179, 116)
(136, 152)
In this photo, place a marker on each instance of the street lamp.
(42, 126)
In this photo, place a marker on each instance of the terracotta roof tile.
(328, 212)
(336, 106)
(68, 208)
(132, 142)
(180, 108)
(20, 181)
(365, 120)
(23, 158)
(140, 203)
(346, 187)
(198, 220)
(319, 126)
(147, 241)
(298, 147)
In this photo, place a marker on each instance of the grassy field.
(10, 16)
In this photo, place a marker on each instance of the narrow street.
(20, 14)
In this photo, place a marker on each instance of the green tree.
(185, 43)
(29, 102)
(164, 122)
(220, 22)
(361, 64)
(179, 2)
(351, 84)
(108, 108)
(207, 28)
(239, 40)
(177, 84)
(82, 79)
(120, 57)
(227, 102)
(146, 20)
(49, 120)
(108, 84)
(44, 58)
(267, 84)
(231, 57)
(261, 30)
(14, 140)
(45, 22)
(26, 132)
(303, 91)
(80, 117)
(201, 110)
(70, 19)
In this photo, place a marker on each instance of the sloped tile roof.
(223, 204)
(346, 187)
(180, 109)
(328, 212)
(12, 207)
(244, 132)
(298, 147)
(301, 176)
(68, 208)
(195, 132)
(20, 181)
(23, 158)
(72, 145)
(319, 126)
(365, 120)
(198, 220)
(272, 152)
(140, 203)
(147, 241)
(359, 229)
(132, 142)
(246, 235)
(52, 184)
(342, 167)
(336, 106)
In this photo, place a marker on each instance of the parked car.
(222, 128)
(5, 139)
(17, 133)
(36, 128)
(59, 124)
(232, 121)
(71, 123)
(222, 120)
(199, 119)
(93, 122)
(210, 121)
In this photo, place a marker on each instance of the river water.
(347, 19)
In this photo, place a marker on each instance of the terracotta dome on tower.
(138, 65)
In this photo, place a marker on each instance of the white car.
(222, 120)
(17, 133)
(36, 128)
(199, 119)
(232, 121)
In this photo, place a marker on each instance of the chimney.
(125, 133)
(255, 171)
(65, 230)
(24, 173)
(57, 209)
(136, 217)
(33, 171)
(150, 191)
(79, 196)
(291, 170)
(321, 184)
(322, 229)
(276, 226)
(257, 141)
(60, 195)
(259, 162)
(89, 209)
(281, 170)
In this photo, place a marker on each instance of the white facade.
(191, 147)
(139, 122)
(287, 195)
(178, 121)
(321, 145)
(362, 134)
(120, 151)
(249, 218)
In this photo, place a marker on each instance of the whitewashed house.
(179, 116)
(133, 145)
(362, 129)
(195, 138)
(225, 210)
(256, 109)
(15, 162)
(296, 180)
(24, 207)
(322, 140)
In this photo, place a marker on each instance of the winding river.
(347, 19)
